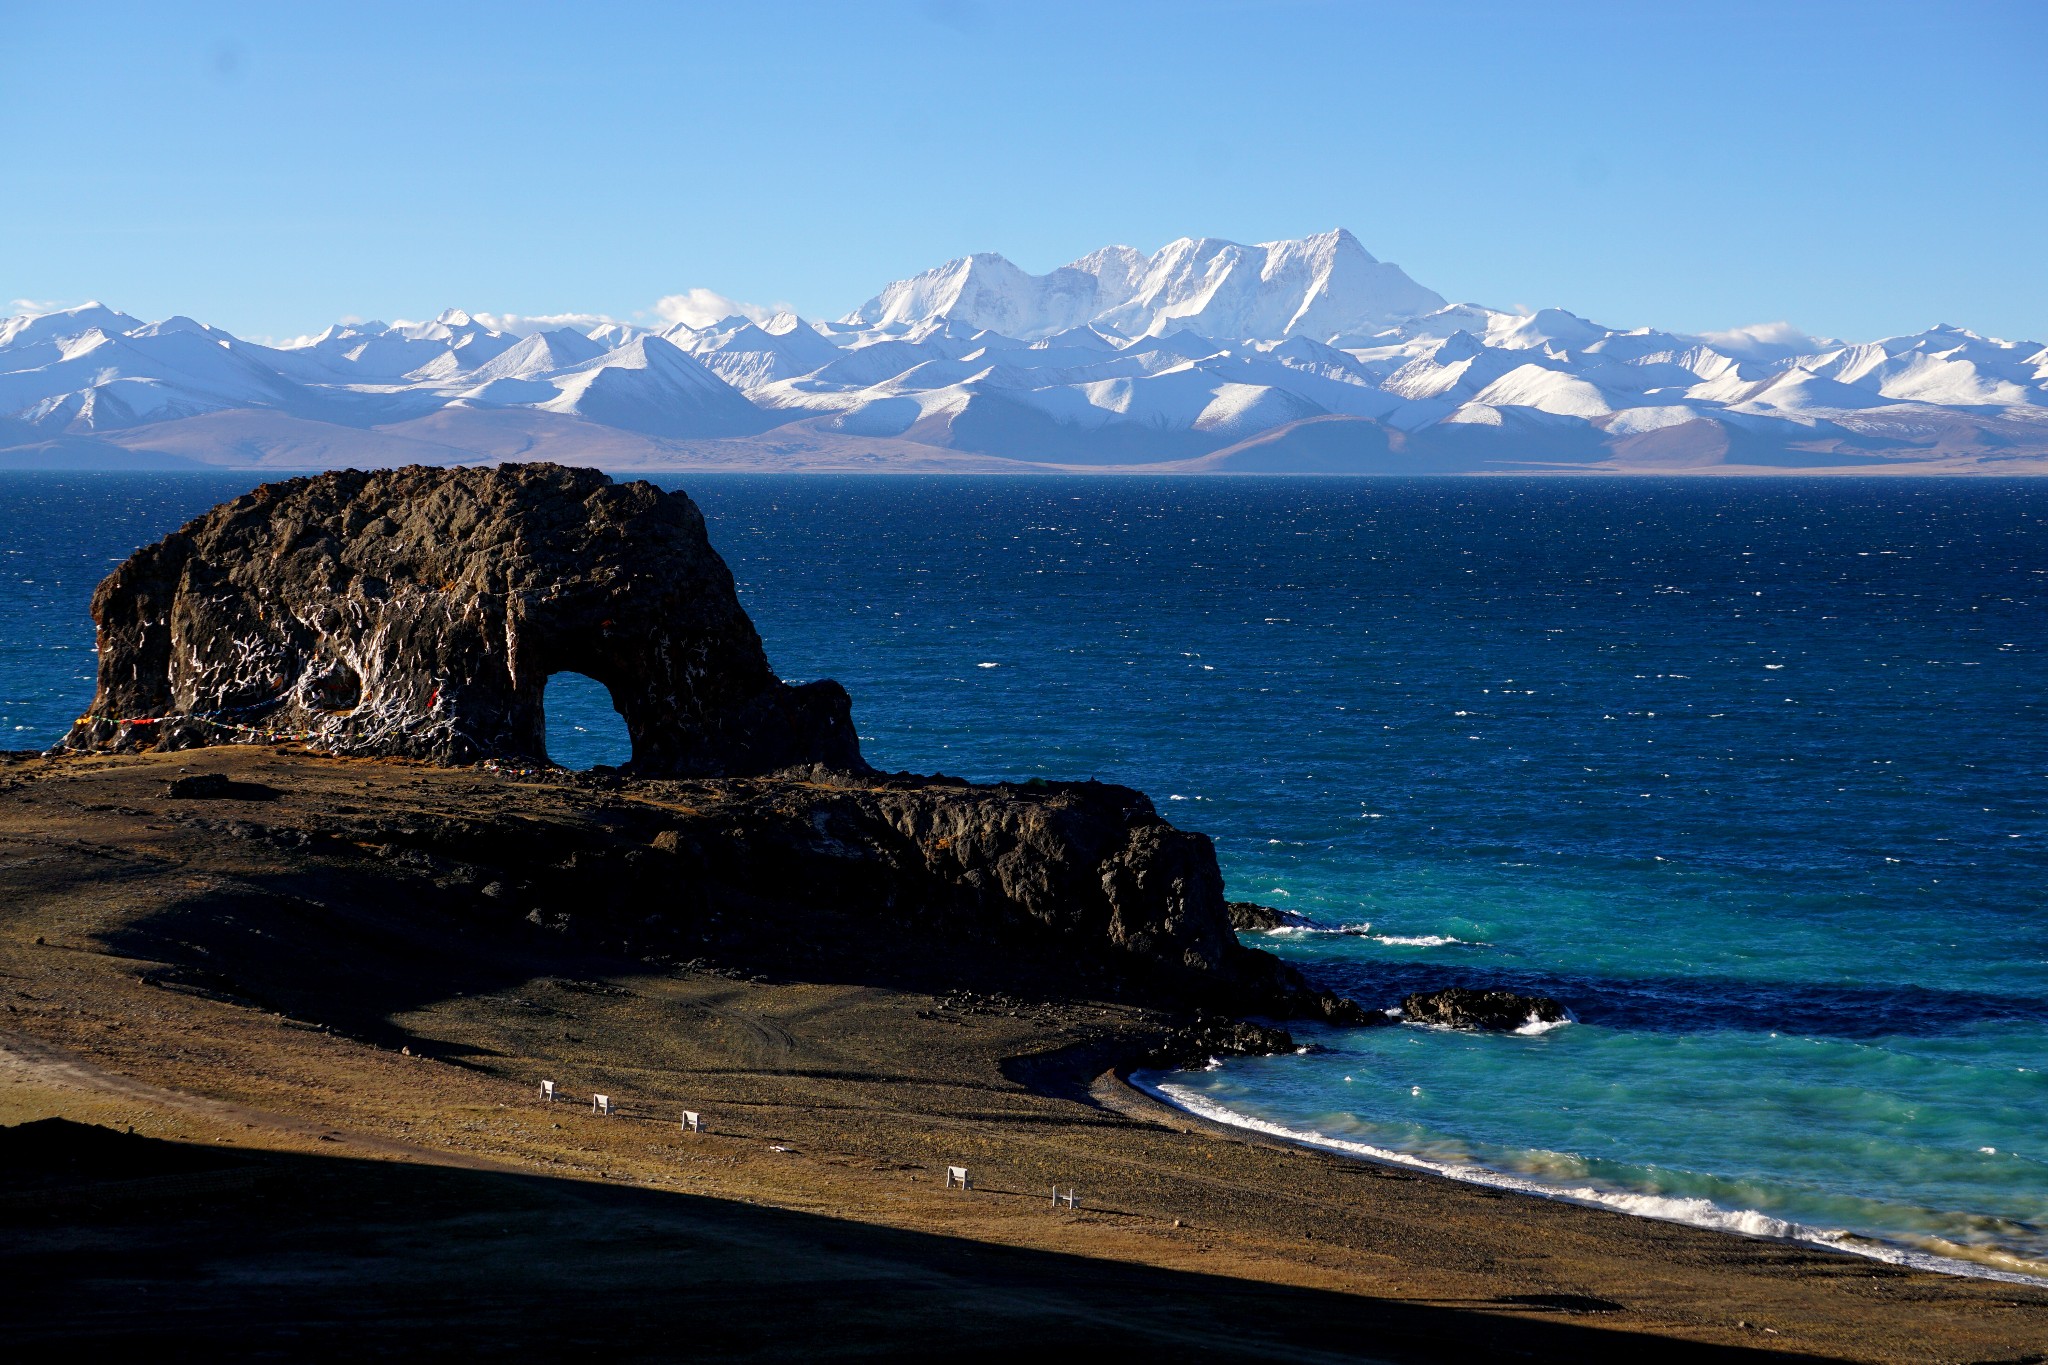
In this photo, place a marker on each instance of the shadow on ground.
(111, 1241)
(354, 949)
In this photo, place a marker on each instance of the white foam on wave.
(1702, 1213)
(1364, 931)
(1536, 1026)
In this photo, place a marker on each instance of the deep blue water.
(1750, 773)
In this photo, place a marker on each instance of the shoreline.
(264, 980)
(1686, 1212)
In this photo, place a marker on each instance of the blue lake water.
(1752, 774)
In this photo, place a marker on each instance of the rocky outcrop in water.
(1208, 1037)
(1498, 1011)
(419, 613)
(1250, 917)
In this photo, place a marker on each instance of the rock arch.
(419, 612)
(582, 723)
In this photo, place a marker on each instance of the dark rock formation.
(1083, 877)
(1460, 1007)
(1194, 1044)
(1090, 863)
(419, 612)
(1252, 918)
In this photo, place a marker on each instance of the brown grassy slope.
(213, 972)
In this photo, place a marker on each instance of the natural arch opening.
(584, 729)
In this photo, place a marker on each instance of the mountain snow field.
(1207, 355)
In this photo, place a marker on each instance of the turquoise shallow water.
(1749, 773)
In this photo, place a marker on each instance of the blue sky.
(1858, 169)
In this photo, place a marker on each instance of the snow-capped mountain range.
(1207, 355)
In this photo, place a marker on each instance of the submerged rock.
(1251, 917)
(419, 612)
(1502, 1011)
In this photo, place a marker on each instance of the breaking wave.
(1958, 1260)
(1364, 931)
(1421, 940)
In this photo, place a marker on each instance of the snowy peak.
(1552, 327)
(611, 334)
(180, 323)
(1116, 269)
(540, 354)
(985, 291)
(1310, 346)
(747, 354)
(32, 329)
(649, 385)
(1343, 287)
(1320, 287)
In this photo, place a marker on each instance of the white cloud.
(520, 324)
(36, 306)
(1765, 340)
(701, 307)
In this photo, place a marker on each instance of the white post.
(547, 1091)
(601, 1104)
(692, 1123)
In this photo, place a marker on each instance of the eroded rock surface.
(419, 613)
